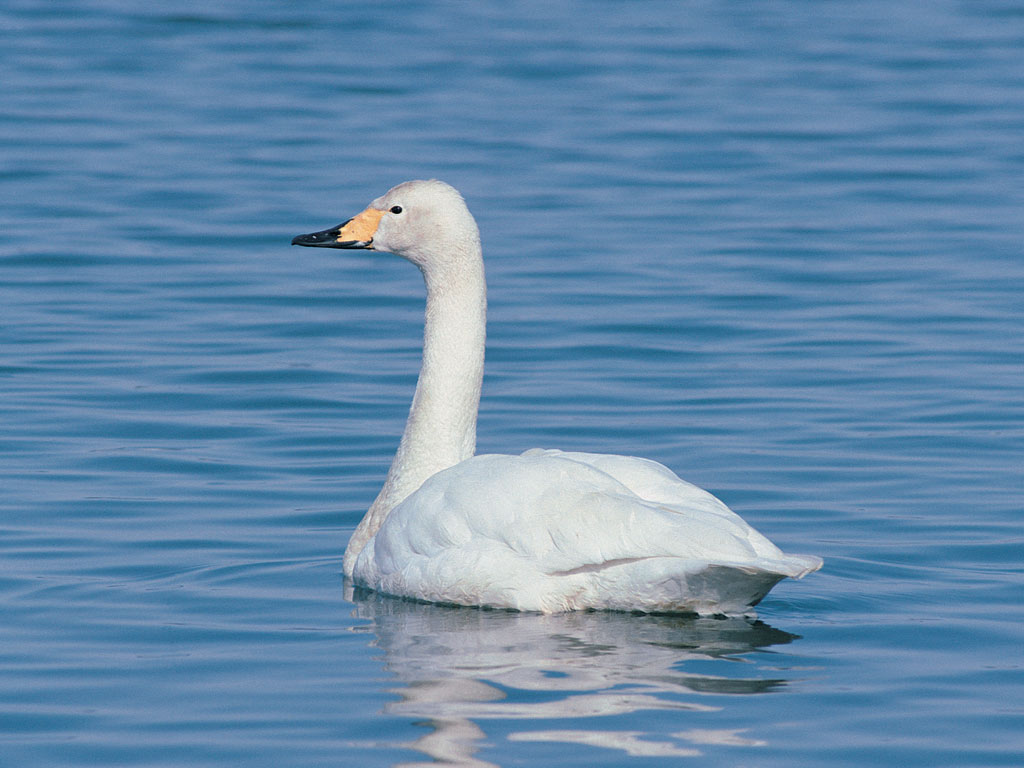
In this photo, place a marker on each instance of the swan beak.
(357, 232)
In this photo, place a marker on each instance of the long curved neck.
(441, 428)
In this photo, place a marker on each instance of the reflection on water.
(459, 666)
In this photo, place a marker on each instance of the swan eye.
(396, 209)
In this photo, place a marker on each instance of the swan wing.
(553, 531)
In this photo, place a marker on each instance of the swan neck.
(441, 428)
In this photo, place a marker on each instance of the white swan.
(545, 531)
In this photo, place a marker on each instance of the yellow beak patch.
(362, 227)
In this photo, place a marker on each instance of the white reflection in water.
(460, 666)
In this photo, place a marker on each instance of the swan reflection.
(460, 666)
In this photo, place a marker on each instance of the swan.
(547, 530)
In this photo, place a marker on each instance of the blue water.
(778, 246)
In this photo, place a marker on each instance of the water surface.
(775, 247)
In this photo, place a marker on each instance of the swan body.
(546, 530)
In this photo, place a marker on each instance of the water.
(775, 246)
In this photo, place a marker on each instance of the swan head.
(426, 222)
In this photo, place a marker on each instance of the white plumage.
(544, 531)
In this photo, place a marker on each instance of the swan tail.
(798, 566)
(666, 585)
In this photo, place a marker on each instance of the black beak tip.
(327, 238)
